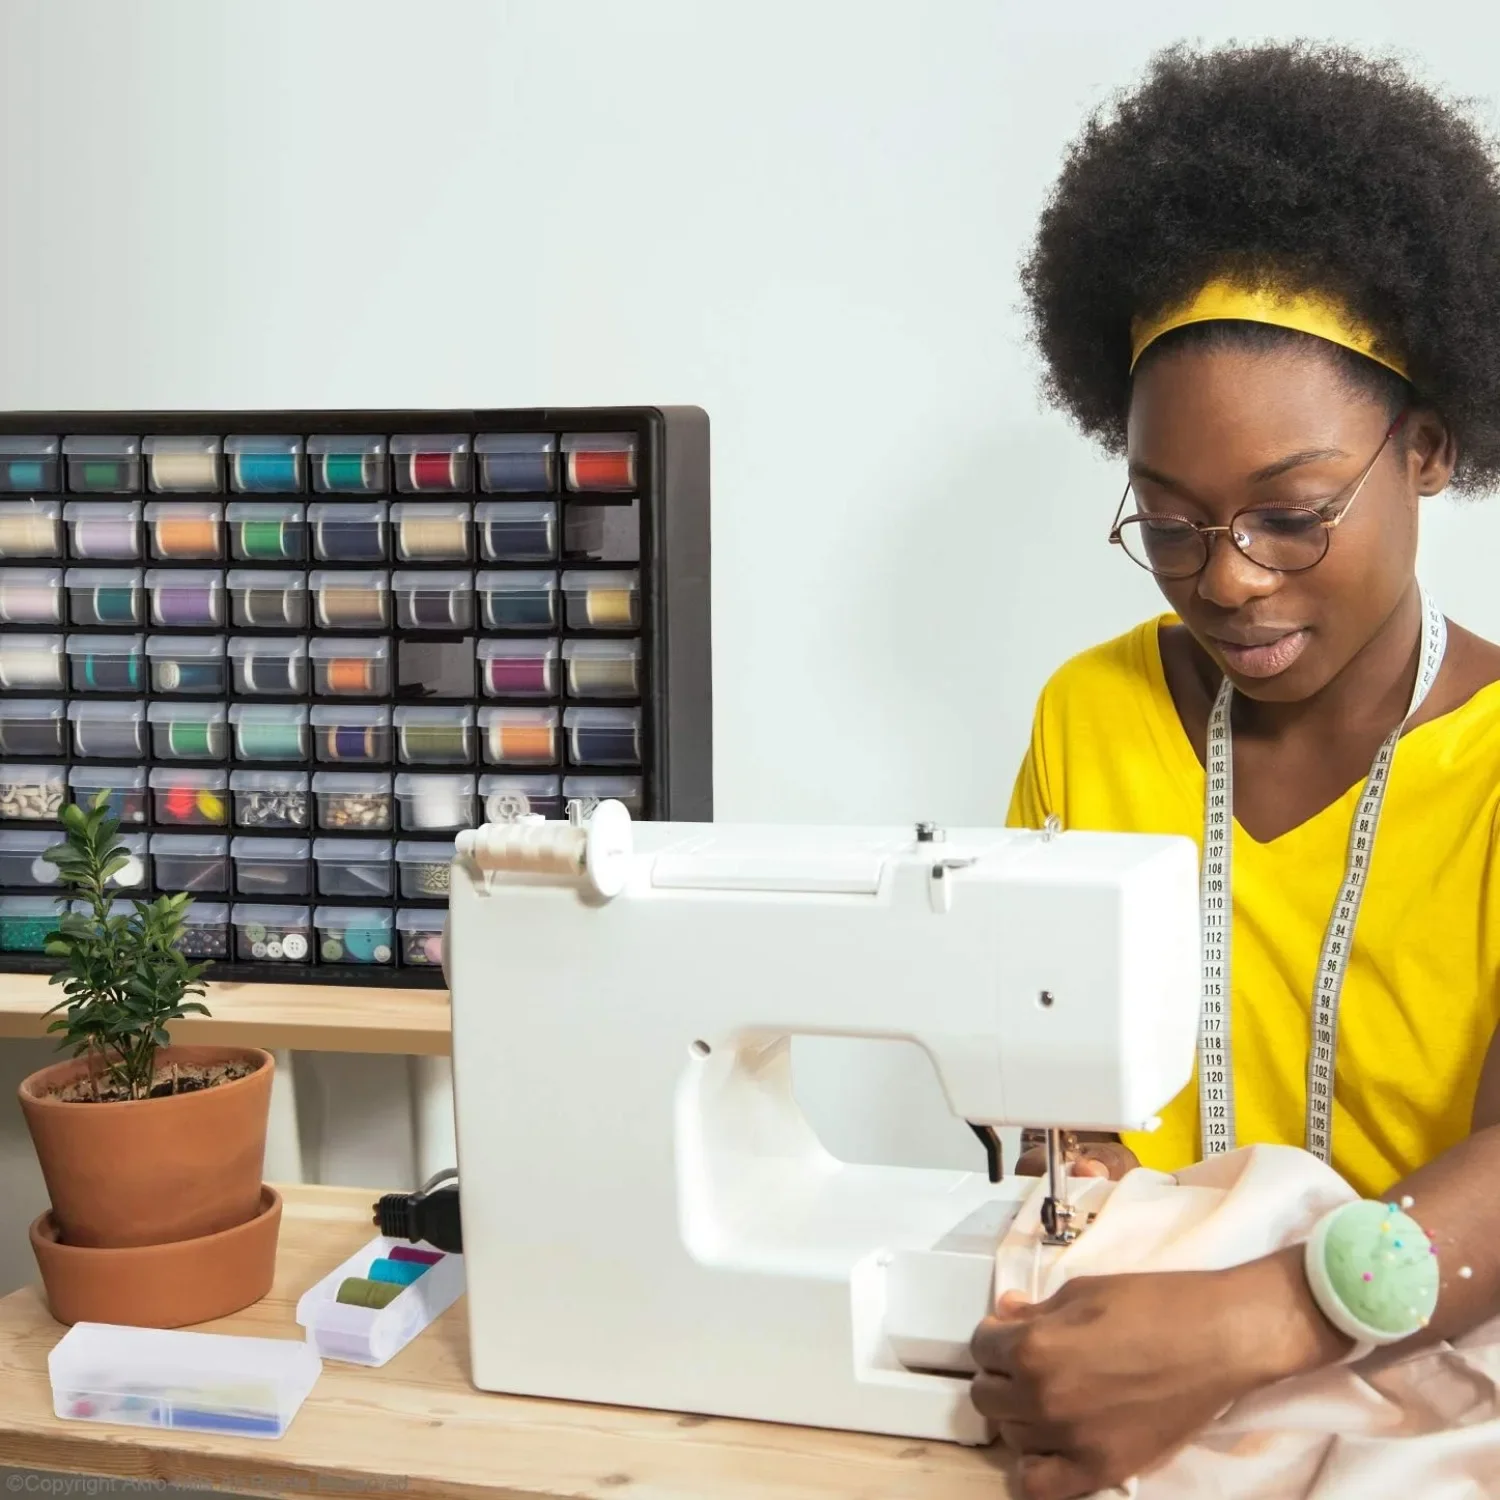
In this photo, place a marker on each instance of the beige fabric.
(1422, 1426)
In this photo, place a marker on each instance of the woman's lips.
(1266, 659)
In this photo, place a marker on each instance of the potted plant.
(152, 1153)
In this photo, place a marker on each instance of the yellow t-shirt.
(1421, 997)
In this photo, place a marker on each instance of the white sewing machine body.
(649, 1219)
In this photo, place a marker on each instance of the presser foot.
(1058, 1214)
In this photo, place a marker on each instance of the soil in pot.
(153, 1171)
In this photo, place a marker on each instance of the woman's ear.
(1431, 452)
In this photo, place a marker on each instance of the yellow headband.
(1223, 301)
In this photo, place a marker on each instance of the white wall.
(803, 215)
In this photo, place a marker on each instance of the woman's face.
(1213, 430)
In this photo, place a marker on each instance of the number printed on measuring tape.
(1215, 1067)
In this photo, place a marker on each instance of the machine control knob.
(929, 833)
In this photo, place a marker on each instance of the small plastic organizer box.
(301, 650)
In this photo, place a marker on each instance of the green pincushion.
(1381, 1266)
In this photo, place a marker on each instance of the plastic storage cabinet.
(271, 867)
(104, 530)
(185, 530)
(350, 668)
(507, 799)
(31, 792)
(22, 862)
(349, 533)
(188, 795)
(354, 869)
(191, 862)
(188, 731)
(355, 934)
(125, 787)
(266, 531)
(347, 465)
(426, 869)
(435, 804)
(31, 528)
(271, 799)
(187, 664)
(99, 465)
(25, 922)
(419, 937)
(268, 665)
(29, 465)
(354, 800)
(106, 728)
(31, 726)
(270, 933)
(103, 596)
(107, 663)
(31, 663)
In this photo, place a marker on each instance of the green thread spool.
(344, 471)
(430, 744)
(602, 677)
(264, 540)
(270, 741)
(359, 1291)
(190, 737)
(114, 606)
(271, 607)
(103, 474)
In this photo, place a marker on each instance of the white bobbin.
(598, 851)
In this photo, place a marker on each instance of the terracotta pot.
(152, 1171)
(161, 1286)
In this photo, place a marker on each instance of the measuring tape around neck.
(1215, 1060)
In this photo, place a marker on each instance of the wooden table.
(418, 1428)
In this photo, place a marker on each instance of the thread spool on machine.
(596, 852)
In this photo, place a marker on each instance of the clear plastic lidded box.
(522, 600)
(432, 530)
(187, 664)
(354, 800)
(31, 596)
(104, 530)
(436, 735)
(354, 934)
(603, 600)
(132, 874)
(351, 732)
(590, 791)
(125, 785)
(420, 937)
(191, 861)
(107, 729)
(519, 736)
(190, 795)
(427, 463)
(425, 867)
(508, 799)
(271, 867)
(603, 736)
(517, 530)
(439, 600)
(350, 600)
(31, 726)
(107, 663)
(205, 930)
(603, 669)
(517, 667)
(33, 662)
(31, 528)
(268, 664)
(185, 530)
(599, 462)
(186, 596)
(99, 465)
(269, 731)
(271, 799)
(354, 869)
(25, 922)
(349, 533)
(22, 858)
(346, 464)
(266, 531)
(183, 465)
(271, 933)
(353, 668)
(262, 464)
(28, 464)
(188, 731)
(272, 598)
(102, 596)
(30, 792)
(435, 804)
(517, 463)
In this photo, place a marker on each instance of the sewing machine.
(648, 1217)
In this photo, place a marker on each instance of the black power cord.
(429, 1216)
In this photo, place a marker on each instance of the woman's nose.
(1229, 579)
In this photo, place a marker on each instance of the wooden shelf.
(298, 1017)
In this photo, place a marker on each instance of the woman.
(1270, 281)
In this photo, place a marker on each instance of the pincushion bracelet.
(1373, 1271)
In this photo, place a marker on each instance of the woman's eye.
(1283, 522)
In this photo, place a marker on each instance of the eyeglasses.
(1279, 538)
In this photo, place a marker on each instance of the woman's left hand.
(1113, 1372)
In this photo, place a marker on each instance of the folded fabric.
(1420, 1426)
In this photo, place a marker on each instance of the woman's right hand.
(1103, 1157)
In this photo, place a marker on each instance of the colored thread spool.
(266, 541)
(606, 745)
(360, 1291)
(434, 471)
(349, 674)
(184, 537)
(533, 539)
(191, 738)
(428, 744)
(535, 743)
(30, 604)
(190, 605)
(109, 537)
(262, 473)
(351, 541)
(434, 608)
(26, 474)
(110, 674)
(519, 473)
(101, 474)
(112, 739)
(603, 677)
(29, 667)
(31, 736)
(270, 674)
(613, 470)
(270, 741)
(349, 742)
(205, 677)
(434, 538)
(348, 471)
(271, 606)
(412, 1252)
(397, 1272)
(185, 471)
(523, 676)
(358, 606)
(518, 609)
(28, 533)
(610, 609)
(112, 605)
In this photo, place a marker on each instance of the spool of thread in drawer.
(30, 603)
(186, 605)
(268, 541)
(428, 744)
(532, 743)
(434, 471)
(185, 471)
(518, 472)
(434, 538)
(603, 677)
(264, 472)
(414, 1252)
(26, 666)
(523, 676)
(111, 474)
(117, 739)
(113, 537)
(432, 607)
(192, 738)
(271, 674)
(28, 533)
(362, 606)
(360, 1291)
(31, 736)
(109, 674)
(111, 605)
(271, 607)
(190, 676)
(184, 537)
(349, 742)
(270, 741)
(348, 471)
(606, 470)
(530, 540)
(396, 1272)
(349, 674)
(26, 474)
(520, 610)
(610, 608)
(605, 745)
(351, 541)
